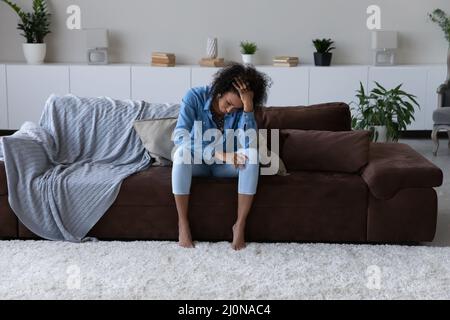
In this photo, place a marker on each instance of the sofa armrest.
(396, 166)
(3, 182)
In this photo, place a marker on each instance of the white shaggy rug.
(162, 270)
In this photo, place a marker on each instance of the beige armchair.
(441, 116)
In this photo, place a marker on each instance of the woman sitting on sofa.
(228, 103)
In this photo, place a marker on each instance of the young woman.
(228, 103)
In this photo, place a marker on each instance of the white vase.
(247, 58)
(381, 134)
(212, 48)
(34, 52)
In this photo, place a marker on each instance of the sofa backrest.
(313, 150)
(328, 117)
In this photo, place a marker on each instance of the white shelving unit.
(156, 84)
(95, 81)
(29, 87)
(25, 88)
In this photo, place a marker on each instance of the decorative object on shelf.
(163, 59)
(323, 55)
(35, 26)
(443, 20)
(384, 112)
(285, 61)
(216, 63)
(212, 48)
(97, 46)
(384, 44)
(248, 50)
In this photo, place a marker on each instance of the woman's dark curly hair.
(257, 81)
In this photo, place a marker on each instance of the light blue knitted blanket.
(64, 174)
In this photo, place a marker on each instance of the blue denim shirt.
(196, 106)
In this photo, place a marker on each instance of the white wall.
(139, 27)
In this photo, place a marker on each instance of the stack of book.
(285, 61)
(209, 62)
(163, 59)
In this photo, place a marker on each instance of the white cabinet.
(414, 80)
(3, 99)
(436, 76)
(336, 84)
(160, 84)
(95, 81)
(29, 87)
(290, 85)
(25, 88)
(202, 76)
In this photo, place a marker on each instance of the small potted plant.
(323, 55)
(35, 26)
(248, 50)
(443, 20)
(384, 112)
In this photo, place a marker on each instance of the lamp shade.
(96, 38)
(384, 40)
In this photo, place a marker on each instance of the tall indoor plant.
(248, 50)
(323, 55)
(35, 26)
(443, 20)
(384, 112)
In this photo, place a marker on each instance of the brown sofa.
(341, 188)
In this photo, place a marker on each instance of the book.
(162, 54)
(207, 62)
(285, 58)
(281, 64)
(159, 60)
(163, 64)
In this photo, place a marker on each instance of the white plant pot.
(34, 52)
(247, 58)
(381, 133)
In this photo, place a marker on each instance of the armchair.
(441, 116)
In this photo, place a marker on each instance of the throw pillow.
(274, 157)
(156, 136)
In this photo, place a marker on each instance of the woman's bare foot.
(238, 236)
(184, 236)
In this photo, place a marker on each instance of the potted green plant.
(323, 55)
(248, 50)
(443, 20)
(384, 112)
(35, 26)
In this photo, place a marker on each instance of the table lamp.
(97, 46)
(384, 44)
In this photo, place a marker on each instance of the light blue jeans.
(182, 174)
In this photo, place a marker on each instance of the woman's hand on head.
(245, 94)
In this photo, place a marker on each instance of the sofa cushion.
(311, 150)
(327, 116)
(3, 183)
(290, 208)
(156, 136)
(441, 115)
(396, 166)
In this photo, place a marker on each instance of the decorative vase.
(211, 48)
(380, 134)
(34, 52)
(322, 59)
(247, 58)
